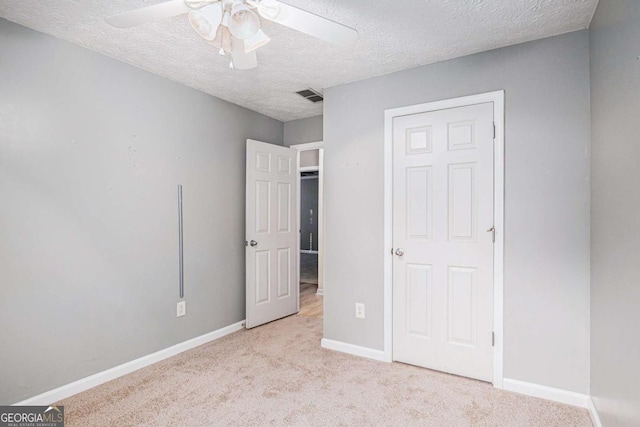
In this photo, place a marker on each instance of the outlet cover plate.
(360, 310)
(181, 309)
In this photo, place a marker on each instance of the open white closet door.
(271, 233)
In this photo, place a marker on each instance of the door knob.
(253, 243)
(399, 251)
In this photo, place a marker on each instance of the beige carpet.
(278, 375)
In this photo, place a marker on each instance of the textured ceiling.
(393, 35)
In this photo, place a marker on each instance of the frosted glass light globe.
(244, 23)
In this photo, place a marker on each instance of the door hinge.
(494, 130)
(493, 339)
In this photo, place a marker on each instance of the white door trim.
(308, 146)
(318, 145)
(497, 98)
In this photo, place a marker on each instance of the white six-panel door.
(271, 233)
(443, 253)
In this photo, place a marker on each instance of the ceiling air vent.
(311, 95)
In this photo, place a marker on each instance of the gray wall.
(91, 153)
(547, 200)
(303, 130)
(615, 217)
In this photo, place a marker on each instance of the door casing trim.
(497, 98)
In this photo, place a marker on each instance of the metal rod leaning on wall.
(180, 245)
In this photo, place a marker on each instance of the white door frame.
(318, 145)
(497, 98)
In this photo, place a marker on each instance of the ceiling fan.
(233, 26)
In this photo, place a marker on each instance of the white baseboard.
(91, 381)
(545, 392)
(356, 350)
(320, 292)
(595, 418)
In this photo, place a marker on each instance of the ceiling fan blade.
(306, 22)
(148, 14)
(241, 59)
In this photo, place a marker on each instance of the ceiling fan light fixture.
(205, 21)
(255, 42)
(226, 17)
(233, 26)
(222, 42)
(201, 26)
(244, 23)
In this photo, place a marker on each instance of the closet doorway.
(310, 211)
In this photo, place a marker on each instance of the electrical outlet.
(360, 310)
(181, 309)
